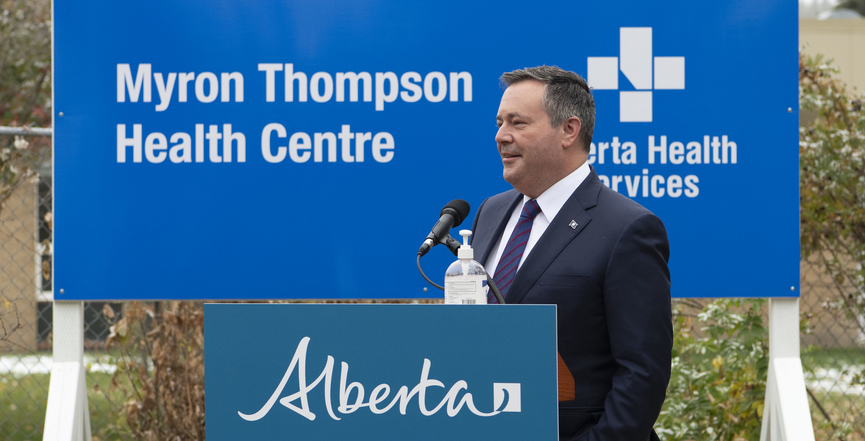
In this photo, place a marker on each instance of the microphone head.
(457, 208)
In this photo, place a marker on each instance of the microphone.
(452, 215)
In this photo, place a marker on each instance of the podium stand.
(370, 372)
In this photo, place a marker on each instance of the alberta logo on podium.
(506, 396)
(640, 68)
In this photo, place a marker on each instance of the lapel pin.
(573, 224)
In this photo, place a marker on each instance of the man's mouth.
(510, 155)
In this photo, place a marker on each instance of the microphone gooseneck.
(452, 215)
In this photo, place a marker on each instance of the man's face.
(531, 149)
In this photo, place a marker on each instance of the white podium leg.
(786, 416)
(67, 417)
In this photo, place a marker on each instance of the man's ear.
(571, 131)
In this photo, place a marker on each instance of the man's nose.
(503, 136)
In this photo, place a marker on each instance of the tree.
(856, 5)
(832, 182)
(25, 100)
(25, 88)
(832, 194)
(25, 63)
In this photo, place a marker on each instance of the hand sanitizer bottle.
(466, 279)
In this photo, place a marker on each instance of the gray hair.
(566, 94)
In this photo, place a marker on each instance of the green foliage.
(832, 181)
(25, 89)
(856, 5)
(832, 162)
(718, 381)
(25, 62)
(832, 190)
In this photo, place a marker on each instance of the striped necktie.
(513, 253)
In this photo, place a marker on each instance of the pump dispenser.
(466, 279)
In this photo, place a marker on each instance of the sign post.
(67, 417)
(786, 415)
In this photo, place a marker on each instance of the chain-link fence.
(26, 248)
(832, 339)
(832, 352)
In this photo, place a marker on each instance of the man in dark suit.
(562, 237)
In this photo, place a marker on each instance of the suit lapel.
(503, 213)
(567, 224)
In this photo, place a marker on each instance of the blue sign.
(373, 372)
(292, 149)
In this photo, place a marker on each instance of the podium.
(371, 372)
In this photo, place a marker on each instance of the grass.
(837, 358)
(23, 401)
(22, 407)
(845, 412)
(844, 407)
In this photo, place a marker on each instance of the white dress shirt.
(550, 201)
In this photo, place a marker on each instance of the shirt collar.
(553, 199)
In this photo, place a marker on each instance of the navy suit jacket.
(603, 261)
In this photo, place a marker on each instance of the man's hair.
(566, 94)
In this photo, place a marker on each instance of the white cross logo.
(635, 51)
